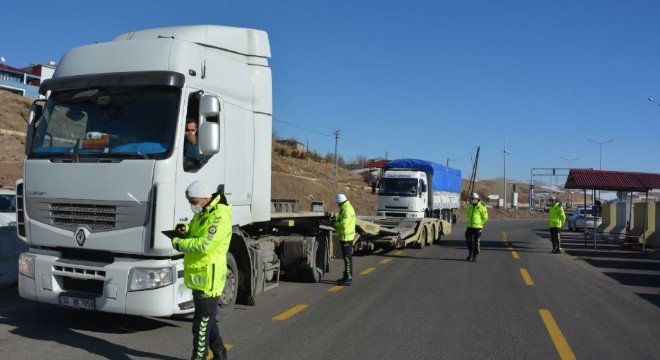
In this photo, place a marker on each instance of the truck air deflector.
(160, 78)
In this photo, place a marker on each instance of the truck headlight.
(26, 265)
(145, 279)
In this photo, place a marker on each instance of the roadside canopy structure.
(623, 181)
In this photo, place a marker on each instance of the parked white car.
(7, 207)
(581, 219)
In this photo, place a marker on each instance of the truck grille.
(79, 278)
(96, 217)
(395, 214)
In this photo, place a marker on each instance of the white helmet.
(474, 196)
(340, 198)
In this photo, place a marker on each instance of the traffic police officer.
(556, 220)
(345, 227)
(205, 241)
(477, 215)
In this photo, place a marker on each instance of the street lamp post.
(570, 200)
(569, 161)
(600, 155)
(600, 151)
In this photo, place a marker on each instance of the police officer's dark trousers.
(205, 329)
(556, 238)
(347, 252)
(472, 237)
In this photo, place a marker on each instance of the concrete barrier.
(10, 249)
(639, 212)
(622, 217)
(654, 239)
(609, 219)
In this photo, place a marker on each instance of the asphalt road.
(518, 301)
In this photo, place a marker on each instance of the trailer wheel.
(433, 236)
(229, 293)
(422, 240)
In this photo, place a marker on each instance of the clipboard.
(172, 234)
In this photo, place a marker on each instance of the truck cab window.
(192, 159)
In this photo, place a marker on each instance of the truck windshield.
(398, 187)
(136, 122)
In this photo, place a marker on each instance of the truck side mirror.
(36, 110)
(423, 187)
(209, 125)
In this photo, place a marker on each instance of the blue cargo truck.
(417, 203)
(414, 188)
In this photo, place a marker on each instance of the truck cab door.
(212, 171)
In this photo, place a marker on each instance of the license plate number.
(76, 302)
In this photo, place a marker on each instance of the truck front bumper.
(105, 284)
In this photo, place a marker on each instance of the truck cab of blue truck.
(413, 188)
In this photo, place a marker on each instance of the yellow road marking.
(289, 313)
(526, 277)
(336, 288)
(367, 271)
(514, 253)
(565, 352)
(385, 261)
(398, 252)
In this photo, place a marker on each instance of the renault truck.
(105, 173)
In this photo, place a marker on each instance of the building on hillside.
(375, 167)
(25, 81)
(292, 144)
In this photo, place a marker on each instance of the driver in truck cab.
(205, 242)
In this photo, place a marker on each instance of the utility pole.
(336, 134)
(505, 154)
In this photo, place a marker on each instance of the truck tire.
(422, 240)
(229, 293)
(319, 261)
(434, 236)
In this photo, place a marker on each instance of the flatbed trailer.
(395, 233)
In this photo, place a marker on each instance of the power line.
(300, 127)
(297, 126)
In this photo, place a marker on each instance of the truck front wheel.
(229, 293)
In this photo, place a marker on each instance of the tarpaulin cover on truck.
(444, 177)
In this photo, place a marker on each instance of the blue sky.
(423, 79)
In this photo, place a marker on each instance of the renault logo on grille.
(81, 236)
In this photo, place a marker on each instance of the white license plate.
(77, 302)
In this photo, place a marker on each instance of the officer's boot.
(222, 355)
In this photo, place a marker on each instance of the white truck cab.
(105, 169)
(403, 194)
